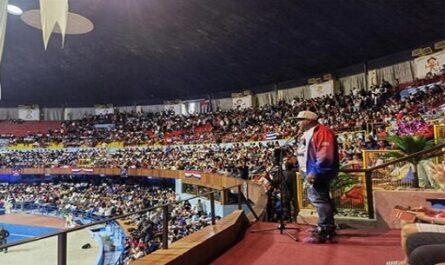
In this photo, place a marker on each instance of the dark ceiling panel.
(146, 51)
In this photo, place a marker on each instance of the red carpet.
(357, 247)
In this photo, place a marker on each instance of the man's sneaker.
(313, 240)
(316, 238)
(330, 237)
(311, 229)
(320, 237)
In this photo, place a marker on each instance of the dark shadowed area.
(147, 51)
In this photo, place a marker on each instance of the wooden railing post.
(239, 197)
(369, 195)
(212, 207)
(165, 227)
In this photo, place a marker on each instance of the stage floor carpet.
(358, 247)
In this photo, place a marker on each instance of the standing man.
(4, 234)
(319, 163)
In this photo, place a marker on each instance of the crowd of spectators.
(224, 159)
(211, 132)
(379, 106)
(356, 111)
(106, 199)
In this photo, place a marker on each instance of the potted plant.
(407, 145)
(346, 189)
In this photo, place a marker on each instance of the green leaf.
(410, 144)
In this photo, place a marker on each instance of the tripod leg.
(294, 238)
(263, 230)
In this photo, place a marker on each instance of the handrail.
(62, 235)
(368, 171)
(402, 159)
(69, 230)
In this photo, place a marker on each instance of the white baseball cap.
(307, 115)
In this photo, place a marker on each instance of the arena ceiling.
(147, 51)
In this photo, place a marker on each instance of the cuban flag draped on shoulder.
(192, 174)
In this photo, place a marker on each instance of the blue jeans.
(318, 194)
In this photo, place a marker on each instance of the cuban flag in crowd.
(192, 174)
(271, 136)
(81, 170)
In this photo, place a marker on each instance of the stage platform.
(355, 246)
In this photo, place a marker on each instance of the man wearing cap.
(319, 163)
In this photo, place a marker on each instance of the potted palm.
(408, 145)
(342, 187)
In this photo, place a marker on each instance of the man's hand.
(310, 178)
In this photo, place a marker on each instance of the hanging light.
(14, 10)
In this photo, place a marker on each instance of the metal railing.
(62, 235)
(368, 172)
(365, 181)
(368, 182)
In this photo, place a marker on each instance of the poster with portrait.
(322, 89)
(103, 109)
(430, 64)
(195, 106)
(176, 108)
(372, 78)
(242, 102)
(29, 112)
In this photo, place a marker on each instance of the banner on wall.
(29, 112)
(103, 109)
(176, 108)
(205, 106)
(372, 78)
(322, 89)
(433, 63)
(192, 174)
(242, 102)
(196, 106)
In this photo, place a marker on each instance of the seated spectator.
(423, 242)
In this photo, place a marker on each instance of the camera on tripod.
(279, 195)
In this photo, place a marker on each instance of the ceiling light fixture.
(14, 10)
